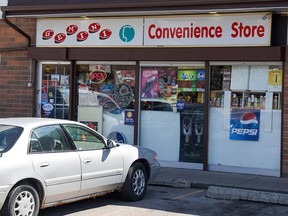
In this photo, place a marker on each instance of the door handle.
(44, 164)
(86, 161)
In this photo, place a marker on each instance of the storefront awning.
(80, 8)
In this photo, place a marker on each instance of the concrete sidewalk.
(227, 185)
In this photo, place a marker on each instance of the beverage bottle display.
(252, 100)
(260, 102)
(234, 101)
(256, 104)
(263, 102)
(275, 102)
(249, 102)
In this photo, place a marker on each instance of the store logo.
(71, 29)
(59, 38)
(105, 34)
(47, 34)
(127, 33)
(82, 36)
(94, 27)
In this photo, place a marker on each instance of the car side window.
(48, 139)
(84, 139)
(8, 136)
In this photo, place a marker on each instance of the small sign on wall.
(129, 117)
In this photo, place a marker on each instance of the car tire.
(135, 184)
(22, 200)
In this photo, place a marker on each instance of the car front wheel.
(135, 185)
(22, 200)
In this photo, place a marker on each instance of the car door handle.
(86, 161)
(44, 164)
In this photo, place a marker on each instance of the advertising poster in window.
(244, 124)
(200, 80)
(167, 88)
(187, 80)
(125, 76)
(275, 81)
(191, 134)
(129, 117)
(149, 84)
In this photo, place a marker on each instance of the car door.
(102, 168)
(57, 164)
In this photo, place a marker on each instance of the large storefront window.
(245, 117)
(106, 99)
(54, 88)
(172, 110)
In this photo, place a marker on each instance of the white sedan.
(47, 162)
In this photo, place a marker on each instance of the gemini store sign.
(209, 30)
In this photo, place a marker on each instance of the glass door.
(172, 111)
(53, 90)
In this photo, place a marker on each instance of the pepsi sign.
(244, 124)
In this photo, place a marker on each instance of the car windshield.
(8, 136)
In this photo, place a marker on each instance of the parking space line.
(186, 195)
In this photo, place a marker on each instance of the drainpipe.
(16, 28)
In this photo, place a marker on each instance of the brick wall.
(285, 120)
(16, 98)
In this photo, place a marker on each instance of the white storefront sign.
(89, 32)
(220, 30)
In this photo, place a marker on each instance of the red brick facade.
(15, 69)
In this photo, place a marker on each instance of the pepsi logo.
(249, 118)
(94, 27)
(71, 29)
(105, 34)
(59, 38)
(47, 34)
(82, 36)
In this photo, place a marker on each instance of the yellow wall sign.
(275, 80)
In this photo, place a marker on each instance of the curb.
(226, 193)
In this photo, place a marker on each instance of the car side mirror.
(111, 143)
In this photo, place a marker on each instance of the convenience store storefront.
(188, 122)
(204, 91)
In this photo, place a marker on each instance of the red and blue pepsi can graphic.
(245, 124)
